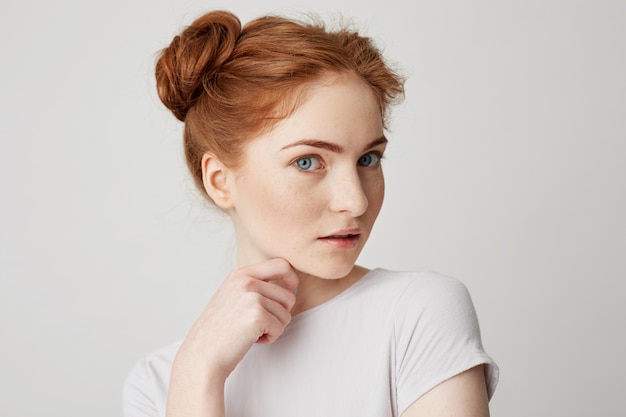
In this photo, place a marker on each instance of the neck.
(313, 291)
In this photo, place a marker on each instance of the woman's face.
(310, 190)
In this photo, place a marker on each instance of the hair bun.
(193, 58)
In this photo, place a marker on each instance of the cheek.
(376, 195)
(283, 203)
(298, 204)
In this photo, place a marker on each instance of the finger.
(269, 318)
(272, 332)
(291, 280)
(277, 310)
(276, 269)
(286, 298)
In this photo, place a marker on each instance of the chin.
(327, 270)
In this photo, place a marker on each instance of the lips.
(343, 234)
(342, 239)
(348, 236)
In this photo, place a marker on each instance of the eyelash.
(320, 164)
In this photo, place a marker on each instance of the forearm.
(246, 309)
(193, 393)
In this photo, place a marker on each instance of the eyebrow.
(333, 147)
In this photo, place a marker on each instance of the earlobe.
(215, 180)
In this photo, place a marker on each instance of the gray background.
(505, 169)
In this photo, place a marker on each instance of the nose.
(348, 195)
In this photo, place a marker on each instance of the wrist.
(200, 367)
(196, 389)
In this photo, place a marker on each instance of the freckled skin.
(281, 210)
(303, 204)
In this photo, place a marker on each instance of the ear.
(216, 180)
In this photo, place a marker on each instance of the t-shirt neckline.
(355, 286)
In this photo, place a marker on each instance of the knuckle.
(248, 284)
(291, 300)
(256, 300)
(257, 318)
(235, 273)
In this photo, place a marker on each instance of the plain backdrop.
(506, 169)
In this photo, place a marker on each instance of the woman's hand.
(252, 305)
(248, 307)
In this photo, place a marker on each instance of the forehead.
(338, 107)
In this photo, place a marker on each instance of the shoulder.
(145, 387)
(412, 293)
(427, 289)
(425, 278)
(436, 333)
(430, 301)
(426, 302)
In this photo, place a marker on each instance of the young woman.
(285, 131)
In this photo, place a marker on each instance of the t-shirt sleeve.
(437, 336)
(146, 386)
(138, 394)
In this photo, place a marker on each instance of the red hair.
(228, 84)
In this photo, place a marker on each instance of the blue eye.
(369, 159)
(308, 163)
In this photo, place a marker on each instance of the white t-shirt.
(371, 351)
